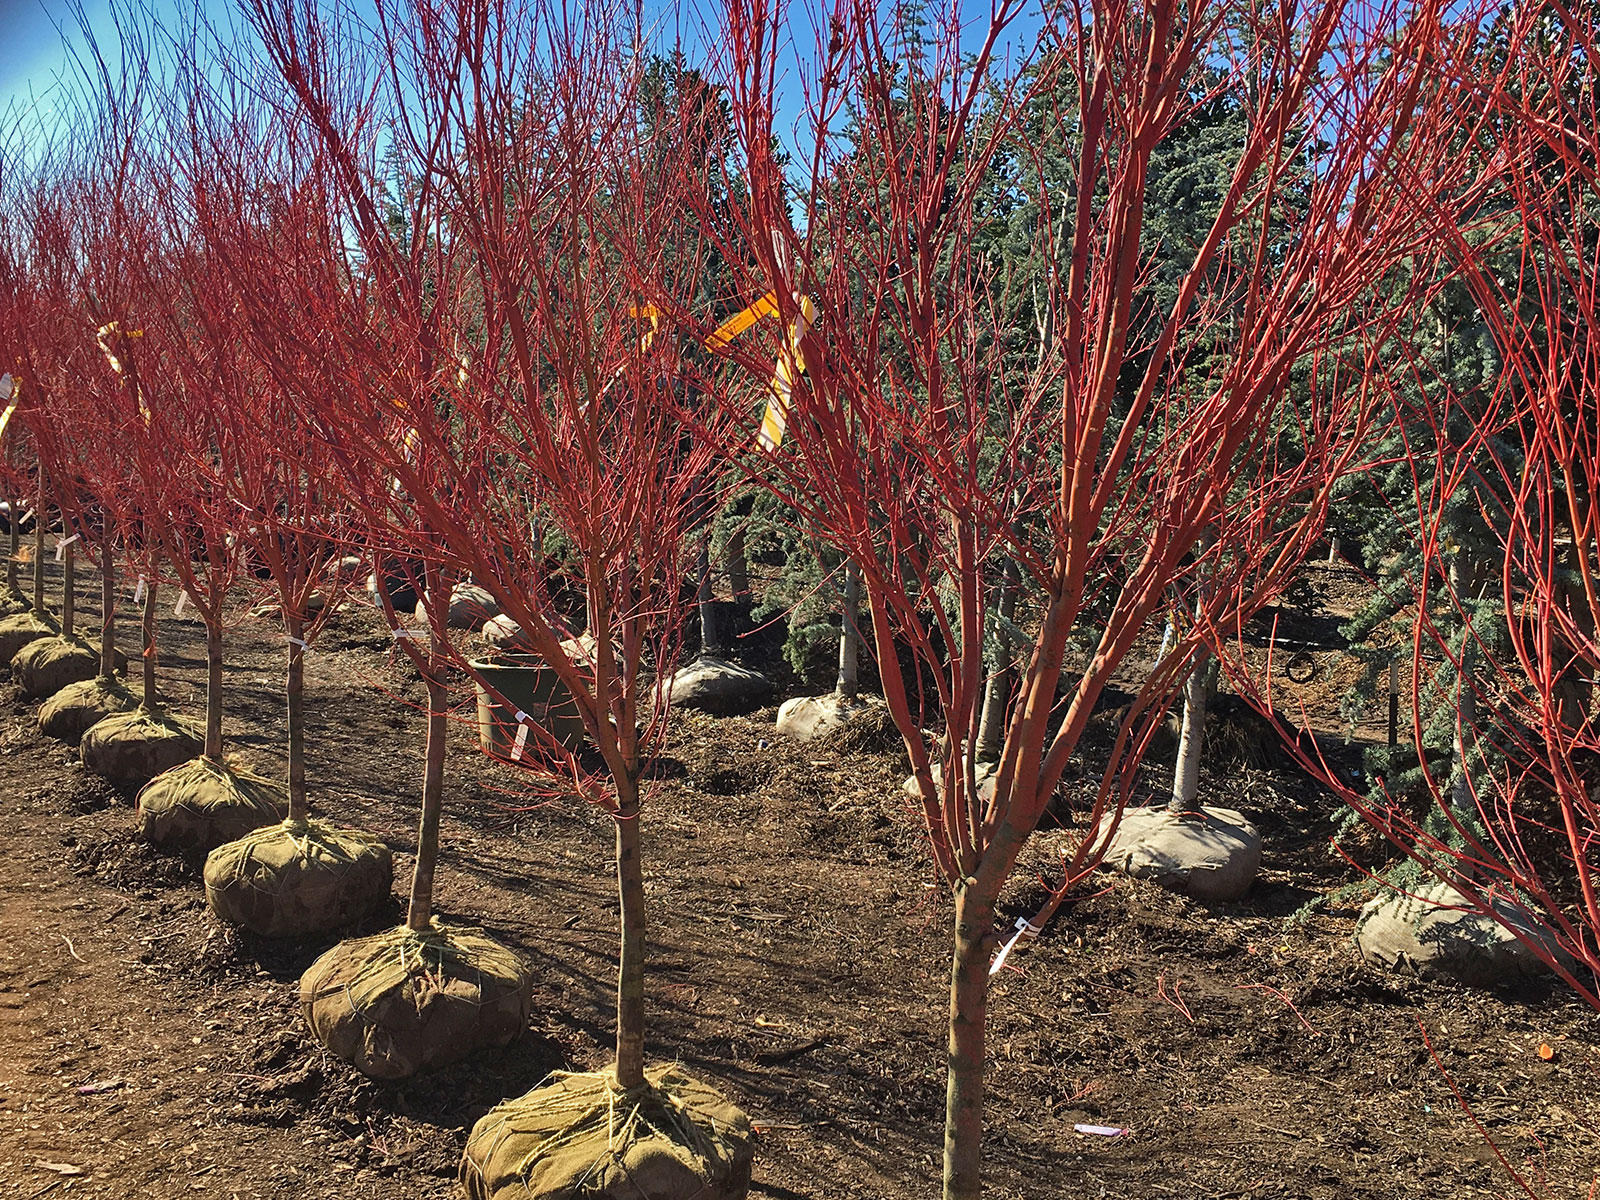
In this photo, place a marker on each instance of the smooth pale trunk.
(69, 591)
(1186, 777)
(969, 1011)
(148, 634)
(38, 553)
(294, 696)
(738, 563)
(108, 608)
(710, 635)
(850, 635)
(630, 963)
(16, 546)
(214, 690)
(419, 911)
(1002, 680)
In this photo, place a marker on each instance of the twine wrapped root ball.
(405, 1001)
(200, 804)
(45, 666)
(17, 631)
(298, 878)
(71, 712)
(580, 1137)
(132, 748)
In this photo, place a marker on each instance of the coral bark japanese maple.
(929, 463)
(509, 378)
(1510, 820)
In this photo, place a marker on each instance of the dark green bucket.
(525, 683)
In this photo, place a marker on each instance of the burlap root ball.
(45, 666)
(299, 878)
(404, 1001)
(579, 1137)
(17, 631)
(200, 804)
(130, 749)
(69, 713)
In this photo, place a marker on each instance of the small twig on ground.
(1174, 999)
(71, 951)
(1282, 996)
(1473, 1117)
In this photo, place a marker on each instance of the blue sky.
(41, 40)
(34, 50)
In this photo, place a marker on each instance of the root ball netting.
(581, 1137)
(70, 713)
(130, 749)
(405, 1001)
(45, 666)
(299, 878)
(17, 631)
(200, 804)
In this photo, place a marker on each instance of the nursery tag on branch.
(138, 592)
(183, 599)
(520, 744)
(61, 547)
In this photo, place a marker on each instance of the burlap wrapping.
(299, 878)
(200, 804)
(579, 1137)
(401, 1001)
(130, 749)
(1432, 930)
(45, 666)
(69, 713)
(12, 602)
(17, 631)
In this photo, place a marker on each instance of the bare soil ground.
(799, 949)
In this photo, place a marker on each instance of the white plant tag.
(61, 547)
(520, 744)
(183, 599)
(138, 592)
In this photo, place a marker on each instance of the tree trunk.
(630, 964)
(1462, 797)
(148, 635)
(12, 581)
(214, 690)
(850, 634)
(108, 609)
(969, 1004)
(710, 636)
(419, 912)
(1462, 580)
(738, 564)
(69, 592)
(294, 695)
(38, 552)
(1186, 777)
(1002, 680)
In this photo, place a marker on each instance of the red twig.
(1284, 997)
(1473, 1117)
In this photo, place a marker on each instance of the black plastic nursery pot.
(523, 682)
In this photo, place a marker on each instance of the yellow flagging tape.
(10, 389)
(102, 335)
(789, 366)
(767, 306)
